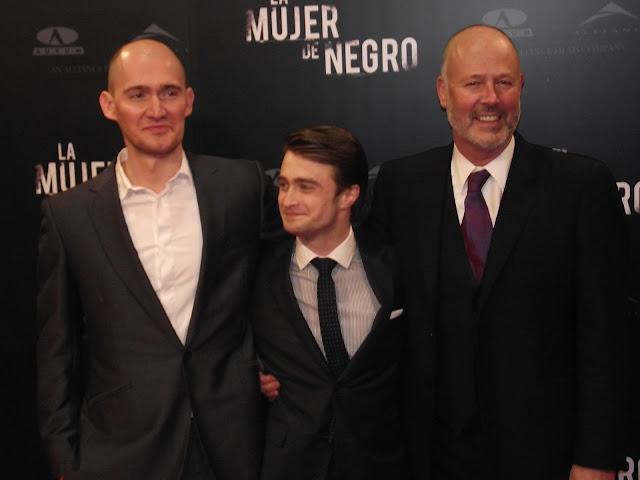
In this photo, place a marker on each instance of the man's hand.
(269, 386)
(584, 473)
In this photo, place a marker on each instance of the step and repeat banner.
(262, 68)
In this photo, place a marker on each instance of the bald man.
(145, 370)
(514, 261)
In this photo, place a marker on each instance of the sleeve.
(602, 330)
(56, 348)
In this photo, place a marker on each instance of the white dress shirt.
(357, 304)
(493, 188)
(166, 231)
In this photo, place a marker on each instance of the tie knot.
(323, 265)
(476, 181)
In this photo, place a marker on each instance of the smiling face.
(480, 87)
(148, 98)
(310, 204)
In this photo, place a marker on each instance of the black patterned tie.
(476, 223)
(334, 350)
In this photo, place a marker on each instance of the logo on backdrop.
(155, 30)
(608, 28)
(55, 41)
(609, 10)
(632, 472)
(317, 28)
(508, 20)
(610, 20)
(65, 172)
(630, 195)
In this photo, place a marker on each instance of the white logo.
(317, 27)
(507, 19)
(58, 41)
(630, 195)
(610, 9)
(154, 29)
(632, 473)
(65, 173)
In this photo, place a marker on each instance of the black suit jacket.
(116, 387)
(549, 326)
(354, 418)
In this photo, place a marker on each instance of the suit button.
(186, 356)
(327, 432)
(430, 333)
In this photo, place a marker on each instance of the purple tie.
(476, 223)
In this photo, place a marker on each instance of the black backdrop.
(371, 68)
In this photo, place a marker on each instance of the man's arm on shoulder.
(56, 348)
(601, 278)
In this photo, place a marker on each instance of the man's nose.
(490, 94)
(156, 108)
(288, 197)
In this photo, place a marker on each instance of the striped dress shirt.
(357, 304)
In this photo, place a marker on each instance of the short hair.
(333, 146)
(172, 45)
(445, 50)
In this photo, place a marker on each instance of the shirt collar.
(126, 187)
(342, 254)
(498, 168)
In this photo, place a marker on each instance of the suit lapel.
(434, 181)
(381, 280)
(523, 185)
(211, 205)
(113, 234)
(288, 303)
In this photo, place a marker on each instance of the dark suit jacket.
(356, 416)
(116, 387)
(549, 327)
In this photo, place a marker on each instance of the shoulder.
(569, 167)
(230, 166)
(420, 162)
(370, 245)
(69, 201)
(237, 178)
(274, 253)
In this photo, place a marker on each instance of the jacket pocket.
(108, 393)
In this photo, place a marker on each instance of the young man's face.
(148, 98)
(310, 205)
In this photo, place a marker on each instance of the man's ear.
(107, 105)
(349, 196)
(441, 89)
(190, 98)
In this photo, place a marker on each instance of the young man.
(144, 366)
(327, 324)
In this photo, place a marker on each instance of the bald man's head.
(144, 46)
(476, 32)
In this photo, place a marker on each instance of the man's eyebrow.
(305, 180)
(135, 87)
(297, 180)
(147, 87)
